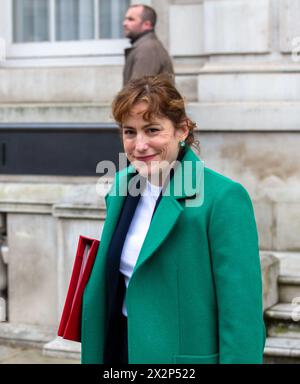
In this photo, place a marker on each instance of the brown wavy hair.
(163, 100)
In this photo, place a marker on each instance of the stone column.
(73, 219)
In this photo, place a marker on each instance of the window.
(74, 20)
(63, 32)
(67, 20)
(111, 17)
(30, 20)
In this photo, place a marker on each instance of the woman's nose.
(141, 143)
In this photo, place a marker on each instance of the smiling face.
(150, 146)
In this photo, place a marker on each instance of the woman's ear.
(183, 129)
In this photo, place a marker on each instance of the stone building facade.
(237, 62)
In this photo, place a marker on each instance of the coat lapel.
(184, 185)
(114, 203)
(166, 216)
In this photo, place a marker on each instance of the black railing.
(57, 148)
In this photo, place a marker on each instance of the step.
(255, 116)
(284, 312)
(245, 116)
(248, 83)
(55, 112)
(283, 320)
(289, 261)
(282, 350)
(61, 348)
(25, 335)
(289, 288)
(21, 355)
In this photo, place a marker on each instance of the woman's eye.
(127, 132)
(153, 130)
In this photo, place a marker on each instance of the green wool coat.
(195, 295)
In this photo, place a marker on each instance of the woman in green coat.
(190, 256)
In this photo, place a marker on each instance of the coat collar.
(187, 183)
(140, 41)
(142, 37)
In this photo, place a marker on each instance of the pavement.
(24, 355)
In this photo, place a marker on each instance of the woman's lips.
(145, 158)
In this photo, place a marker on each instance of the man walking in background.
(147, 56)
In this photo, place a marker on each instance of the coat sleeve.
(237, 274)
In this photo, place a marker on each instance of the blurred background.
(237, 63)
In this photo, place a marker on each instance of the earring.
(181, 143)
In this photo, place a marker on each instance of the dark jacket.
(147, 56)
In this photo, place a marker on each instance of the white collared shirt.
(137, 232)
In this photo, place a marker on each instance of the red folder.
(70, 323)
